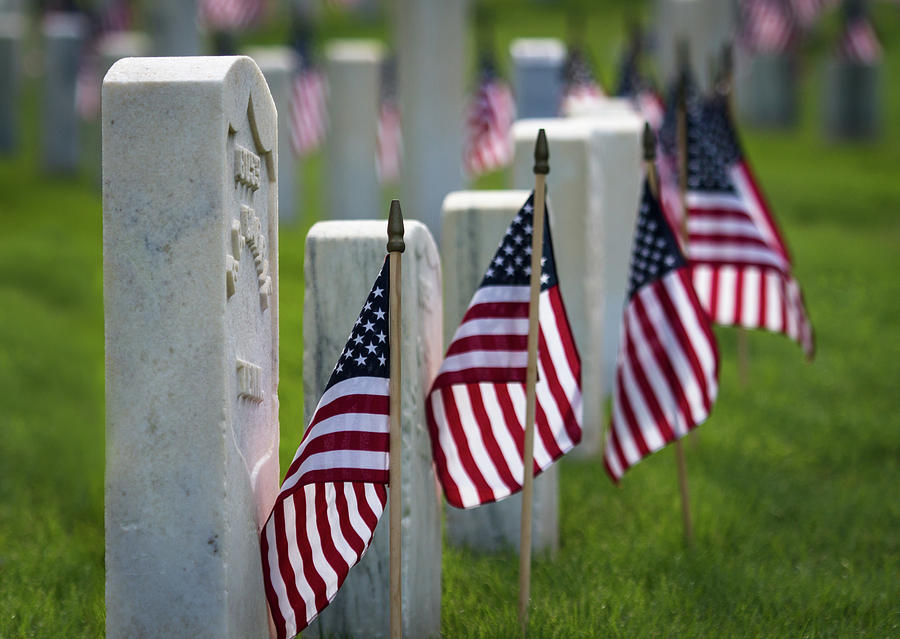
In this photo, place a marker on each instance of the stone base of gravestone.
(342, 259)
(766, 90)
(538, 76)
(12, 29)
(594, 187)
(474, 223)
(190, 289)
(853, 100)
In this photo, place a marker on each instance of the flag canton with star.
(712, 149)
(367, 353)
(511, 265)
(655, 251)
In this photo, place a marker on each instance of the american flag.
(335, 489)
(742, 269)
(859, 42)
(669, 187)
(389, 135)
(768, 26)
(668, 364)
(309, 109)
(476, 406)
(229, 15)
(808, 12)
(491, 113)
(580, 88)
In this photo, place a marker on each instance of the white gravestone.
(594, 185)
(474, 224)
(853, 99)
(12, 28)
(431, 41)
(766, 92)
(342, 259)
(190, 274)
(706, 25)
(278, 65)
(64, 35)
(173, 27)
(538, 80)
(353, 69)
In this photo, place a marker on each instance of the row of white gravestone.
(191, 309)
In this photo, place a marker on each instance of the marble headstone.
(190, 275)
(538, 76)
(431, 40)
(353, 69)
(278, 65)
(173, 27)
(594, 184)
(342, 260)
(12, 29)
(64, 35)
(706, 25)
(474, 223)
(853, 101)
(766, 89)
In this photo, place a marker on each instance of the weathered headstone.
(706, 25)
(474, 223)
(278, 65)
(353, 69)
(64, 35)
(538, 76)
(766, 89)
(853, 99)
(173, 27)
(12, 27)
(593, 186)
(341, 260)
(431, 41)
(190, 274)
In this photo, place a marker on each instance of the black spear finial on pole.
(395, 229)
(541, 154)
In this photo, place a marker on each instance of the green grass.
(792, 480)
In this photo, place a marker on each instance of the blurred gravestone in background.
(765, 66)
(853, 79)
(430, 37)
(173, 27)
(537, 76)
(64, 39)
(706, 25)
(12, 28)
(353, 69)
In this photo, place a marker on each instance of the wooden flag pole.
(649, 141)
(395, 247)
(541, 169)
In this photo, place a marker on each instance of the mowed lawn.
(794, 480)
